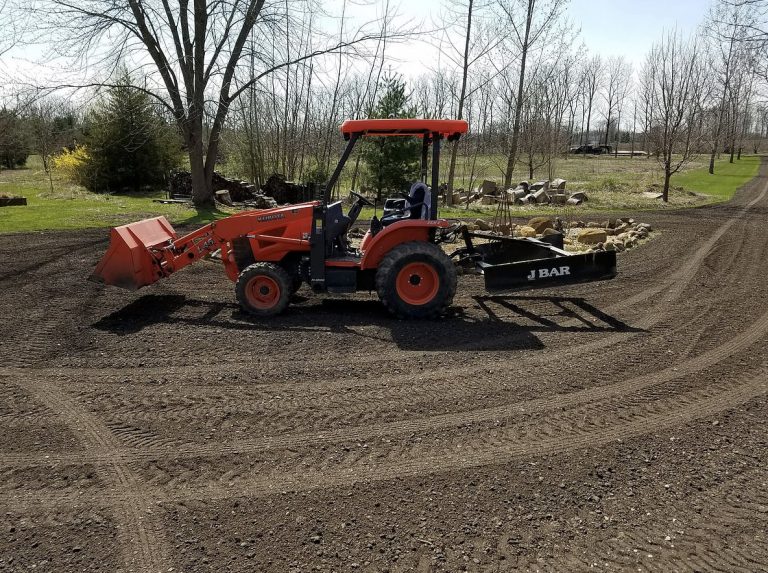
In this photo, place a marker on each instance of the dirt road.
(611, 426)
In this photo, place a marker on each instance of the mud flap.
(549, 271)
(128, 263)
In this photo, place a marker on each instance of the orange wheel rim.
(262, 292)
(417, 283)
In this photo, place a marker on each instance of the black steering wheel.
(362, 199)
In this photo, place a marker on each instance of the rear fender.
(405, 231)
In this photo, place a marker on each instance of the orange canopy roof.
(450, 128)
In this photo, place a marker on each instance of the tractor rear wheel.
(416, 280)
(263, 289)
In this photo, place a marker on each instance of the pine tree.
(14, 140)
(130, 145)
(392, 162)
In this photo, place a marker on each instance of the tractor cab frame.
(334, 266)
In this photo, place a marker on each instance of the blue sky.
(626, 27)
(608, 27)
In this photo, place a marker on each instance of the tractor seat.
(336, 222)
(420, 193)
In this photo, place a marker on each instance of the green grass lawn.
(612, 184)
(72, 207)
(721, 186)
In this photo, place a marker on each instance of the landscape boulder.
(525, 231)
(538, 224)
(483, 225)
(592, 236)
(517, 193)
(488, 187)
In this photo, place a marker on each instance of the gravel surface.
(606, 426)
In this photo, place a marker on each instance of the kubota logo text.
(548, 273)
(263, 218)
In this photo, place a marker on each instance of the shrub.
(75, 165)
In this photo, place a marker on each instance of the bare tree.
(529, 21)
(617, 78)
(591, 84)
(475, 45)
(725, 23)
(679, 77)
(45, 135)
(195, 52)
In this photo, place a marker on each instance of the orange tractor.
(270, 253)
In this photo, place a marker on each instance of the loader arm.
(144, 252)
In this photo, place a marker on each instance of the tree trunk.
(202, 188)
(519, 103)
(462, 96)
(667, 176)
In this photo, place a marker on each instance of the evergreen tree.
(14, 140)
(130, 145)
(392, 162)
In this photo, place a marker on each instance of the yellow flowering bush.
(74, 165)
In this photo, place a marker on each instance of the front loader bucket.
(128, 263)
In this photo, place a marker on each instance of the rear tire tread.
(396, 259)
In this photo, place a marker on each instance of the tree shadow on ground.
(495, 323)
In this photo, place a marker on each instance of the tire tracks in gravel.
(139, 532)
(563, 405)
(490, 452)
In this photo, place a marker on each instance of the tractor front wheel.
(263, 289)
(416, 280)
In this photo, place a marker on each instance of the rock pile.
(611, 235)
(541, 192)
(287, 192)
